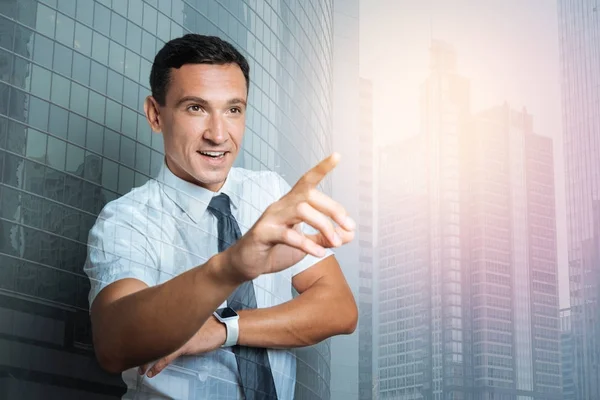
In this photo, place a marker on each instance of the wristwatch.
(229, 318)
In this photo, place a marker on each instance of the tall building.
(579, 34)
(567, 354)
(365, 241)
(403, 295)
(346, 90)
(73, 136)
(468, 299)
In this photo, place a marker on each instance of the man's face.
(202, 121)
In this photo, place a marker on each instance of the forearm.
(156, 321)
(310, 318)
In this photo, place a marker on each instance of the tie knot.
(220, 205)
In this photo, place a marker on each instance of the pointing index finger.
(316, 174)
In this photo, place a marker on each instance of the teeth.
(212, 153)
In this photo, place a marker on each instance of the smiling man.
(192, 273)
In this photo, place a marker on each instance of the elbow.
(351, 318)
(109, 363)
(106, 358)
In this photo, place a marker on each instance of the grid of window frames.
(73, 78)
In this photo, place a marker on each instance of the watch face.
(226, 312)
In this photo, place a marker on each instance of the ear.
(152, 110)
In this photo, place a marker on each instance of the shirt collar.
(194, 199)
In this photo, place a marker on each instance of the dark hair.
(192, 49)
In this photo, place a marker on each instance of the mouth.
(213, 154)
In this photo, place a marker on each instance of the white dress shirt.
(163, 228)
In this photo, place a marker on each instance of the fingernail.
(350, 224)
(149, 374)
(337, 241)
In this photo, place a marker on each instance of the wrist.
(223, 271)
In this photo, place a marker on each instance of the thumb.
(162, 364)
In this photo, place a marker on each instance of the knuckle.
(302, 208)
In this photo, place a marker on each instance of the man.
(192, 273)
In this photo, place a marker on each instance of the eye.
(194, 108)
(235, 110)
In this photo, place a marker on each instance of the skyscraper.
(468, 275)
(579, 38)
(569, 389)
(365, 241)
(73, 136)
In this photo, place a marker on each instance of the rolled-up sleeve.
(119, 249)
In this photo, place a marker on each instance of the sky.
(507, 49)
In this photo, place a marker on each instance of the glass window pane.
(149, 18)
(67, 6)
(96, 107)
(120, 7)
(110, 171)
(165, 6)
(6, 40)
(145, 73)
(59, 118)
(98, 77)
(135, 11)
(93, 167)
(40, 82)
(115, 85)
(81, 68)
(57, 150)
(127, 151)
(117, 57)
(63, 59)
(74, 163)
(134, 37)
(39, 117)
(23, 41)
(112, 141)
(125, 179)
(100, 48)
(79, 99)
(117, 27)
(156, 162)
(65, 27)
(85, 11)
(164, 28)
(148, 46)
(144, 133)
(83, 39)
(132, 66)
(130, 93)
(142, 159)
(76, 129)
(45, 20)
(101, 19)
(16, 141)
(42, 51)
(36, 145)
(129, 122)
(61, 88)
(113, 115)
(94, 137)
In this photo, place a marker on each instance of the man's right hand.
(275, 241)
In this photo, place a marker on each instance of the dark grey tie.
(253, 363)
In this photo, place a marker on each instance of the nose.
(216, 131)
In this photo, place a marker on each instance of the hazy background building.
(578, 36)
(366, 196)
(468, 297)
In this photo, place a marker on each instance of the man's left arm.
(324, 308)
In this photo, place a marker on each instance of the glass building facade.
(578, 38)
(73, 77)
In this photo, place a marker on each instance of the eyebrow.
(205, 103)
